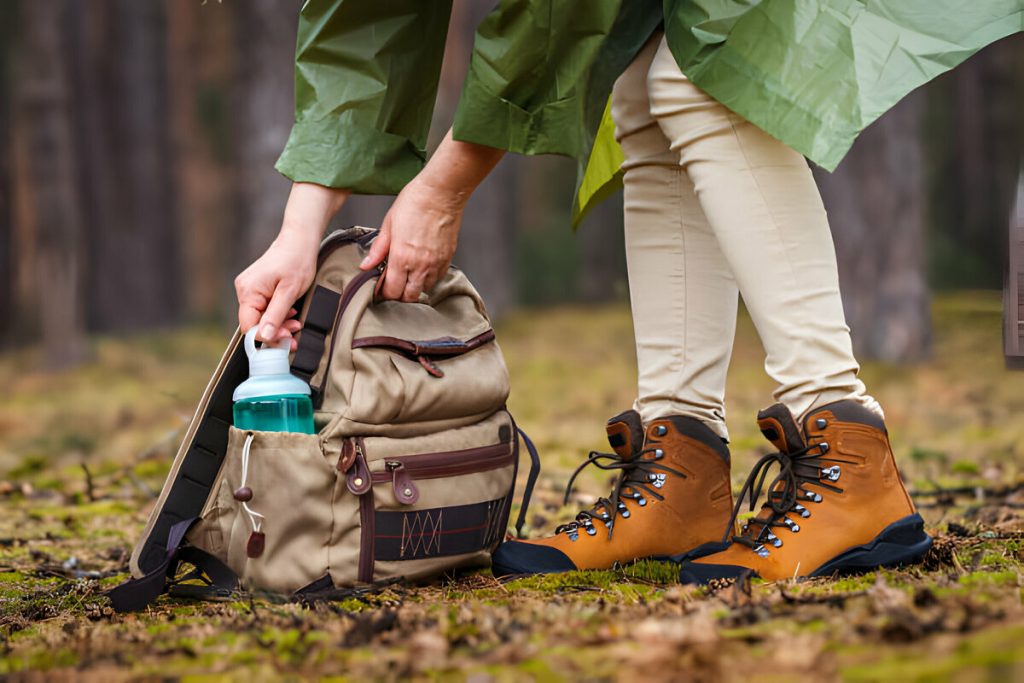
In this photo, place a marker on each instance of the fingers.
(378, 250)
(250, 311)
(395, 280)
(413, 289)
(277, 310)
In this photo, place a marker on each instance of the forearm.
(309, 209)
(457, 168)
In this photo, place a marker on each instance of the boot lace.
(639, 477)
(800, 473)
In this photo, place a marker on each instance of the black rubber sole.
(903, 542)
(533, 559)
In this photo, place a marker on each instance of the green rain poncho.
(812, 73)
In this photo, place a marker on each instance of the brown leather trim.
(450, 464)
(367, 531)
(443, 347)
(354, 285)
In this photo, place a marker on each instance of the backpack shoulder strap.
(196, 465)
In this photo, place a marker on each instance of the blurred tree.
(8, 16)
(876, 205)
(201, 58)
(126, 173)
(48, 236)
(263, 113)
(974, 146)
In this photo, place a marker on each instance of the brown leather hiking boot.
(837, 504)
(672, 494)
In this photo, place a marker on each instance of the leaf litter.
(68, 525)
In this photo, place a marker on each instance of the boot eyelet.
(658, 454)
(591, 530)
(823, 446)
(641, 501)
(831, 473)
(660, 430)
(804, 512)
(821, 423)
(761, 550)
(793, 526)
(774, 540)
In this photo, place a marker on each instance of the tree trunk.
(48, 206)
(124, 143)
(876, 206)
(264, 110)
(975, 135)
(8, 17)
(201, 54)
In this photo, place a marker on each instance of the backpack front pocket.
(435, 505)
(403, 381)
(273, 509)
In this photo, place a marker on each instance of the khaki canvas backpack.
(412, 470)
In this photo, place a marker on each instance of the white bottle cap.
(269, 371)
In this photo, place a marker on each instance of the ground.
(82, 453)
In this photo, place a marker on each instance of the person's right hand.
(268, 288)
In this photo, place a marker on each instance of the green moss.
(985, 578)
(966, 467)
(993, 654)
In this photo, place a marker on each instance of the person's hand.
(421, 230)
(418, 238)
(268, 288)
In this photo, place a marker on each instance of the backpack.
(412, 470)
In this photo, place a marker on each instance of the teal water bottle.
(272, 399)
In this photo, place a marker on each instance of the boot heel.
(901, 543)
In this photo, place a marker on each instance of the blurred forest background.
(137, 143)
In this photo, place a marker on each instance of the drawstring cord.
(255, 518)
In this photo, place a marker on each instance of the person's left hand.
(418, 238)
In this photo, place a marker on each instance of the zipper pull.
(406, 492)
(348, 455)
(430, 366)
(358, 480)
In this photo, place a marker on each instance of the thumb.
(378, 250)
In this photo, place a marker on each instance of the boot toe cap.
(701, 573)
(516, 557)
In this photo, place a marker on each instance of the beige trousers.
(715, 207)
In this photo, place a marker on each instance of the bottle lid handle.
(250, 342)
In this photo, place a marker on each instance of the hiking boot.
(837, 505)
(672, 494)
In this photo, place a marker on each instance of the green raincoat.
(812, 73)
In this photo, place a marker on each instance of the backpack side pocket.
(273, 509)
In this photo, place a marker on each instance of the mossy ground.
(82, 452)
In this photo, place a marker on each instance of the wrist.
(447, 196)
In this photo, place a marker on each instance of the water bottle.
(272, 399)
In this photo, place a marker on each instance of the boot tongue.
(779, 427)
(626, 434)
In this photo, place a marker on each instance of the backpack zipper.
(403, 471)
